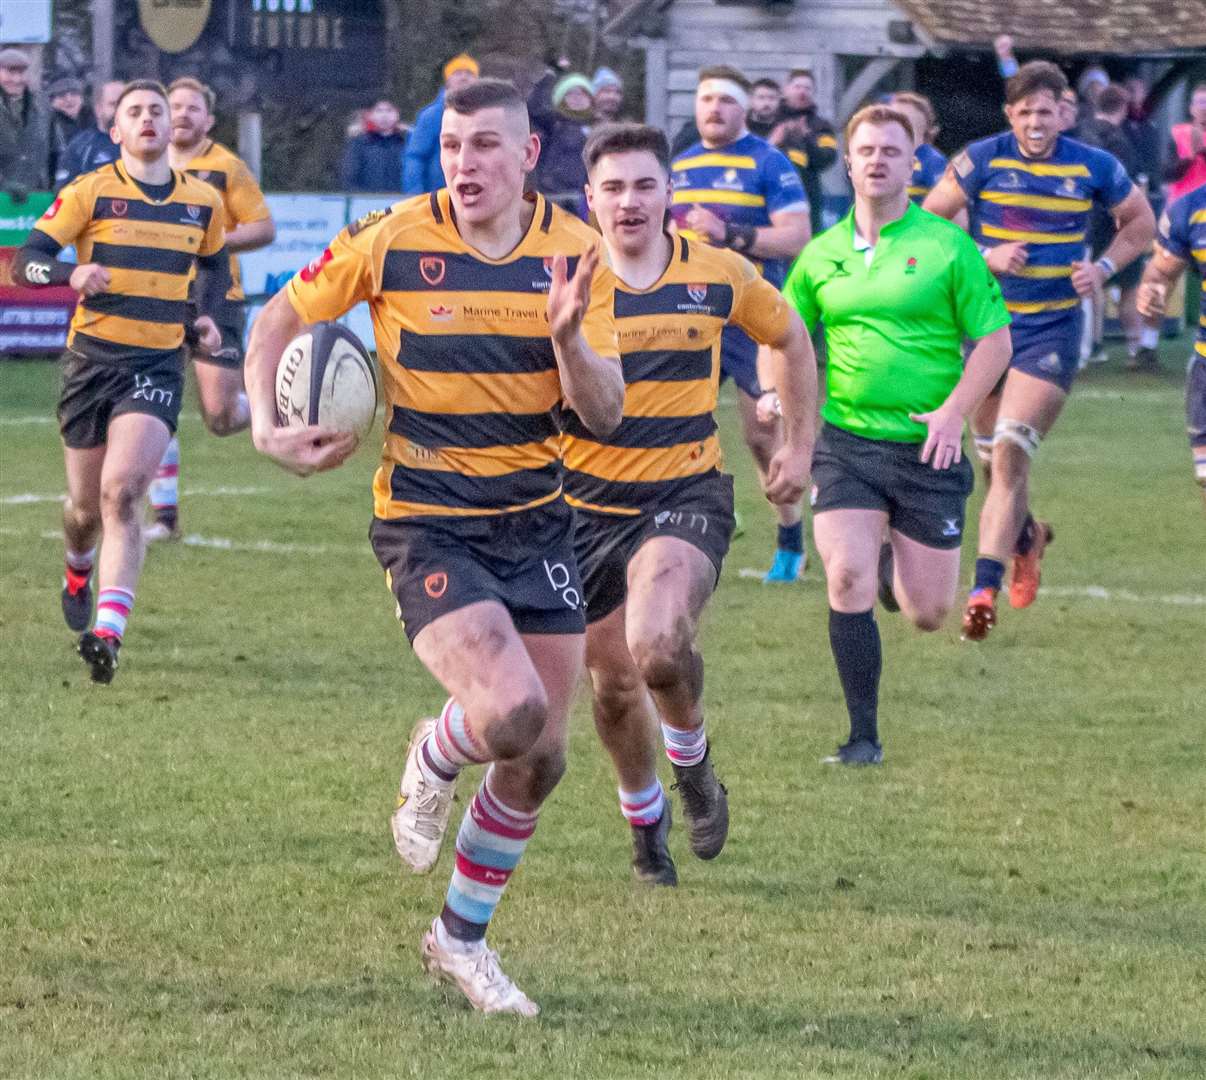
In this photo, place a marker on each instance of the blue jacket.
(373, 162)
(87, 151)
(421, 170)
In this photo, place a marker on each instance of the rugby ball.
(326, 377)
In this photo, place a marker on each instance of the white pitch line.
(270, 547)
(20, 421)
(30, 498)
(1128, 397)
(1073, 592)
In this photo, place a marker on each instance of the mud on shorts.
(94, 392)
(523, 560)
(604, 544)
(924, 503)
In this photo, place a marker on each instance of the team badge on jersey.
(371, 218)
(698, 293)
(119, 207)
(431, 269)
(435, 585)
(194, 212)
(315, 265)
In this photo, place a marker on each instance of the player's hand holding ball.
(326, 400)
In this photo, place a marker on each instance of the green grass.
(196, 875)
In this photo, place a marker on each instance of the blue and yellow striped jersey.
(150, 249)
(473, 394)
(1182, 232)
(670, 339)
(742, 183)
(928, 166)
(1044, 204)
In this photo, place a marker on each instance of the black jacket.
(24, 144)
(810, 141)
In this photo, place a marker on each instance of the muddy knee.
(121, 499)
(515, 725)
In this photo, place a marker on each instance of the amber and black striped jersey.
(473, 395)
(241, 196)
(150, 248)
(670, 337)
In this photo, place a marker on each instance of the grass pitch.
(197, 879)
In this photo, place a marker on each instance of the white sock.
(1149, 337)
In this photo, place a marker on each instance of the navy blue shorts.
(1049, 350)
(739, 360)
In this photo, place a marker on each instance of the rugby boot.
(1144, 360)
(477, 974)
(980, 615)
(887, 574)
(858, 752)
(787, 567)
(165, 527)
(100, 654)
(420, 818)
(651, 861)
(1026, 572)
(705, 804)
(77, 601)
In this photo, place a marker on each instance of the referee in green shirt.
(898, 290)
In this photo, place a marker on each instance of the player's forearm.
(989, 360)
(35, 263)
(251, 235)
(792, 368)
(1134, 237)
(273, 329)
(946, 199)
(779, 241)
(593, 386)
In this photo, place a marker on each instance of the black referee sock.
(856, 650)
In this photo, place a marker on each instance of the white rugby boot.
(477, 975)
(424, 807)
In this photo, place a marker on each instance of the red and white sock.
(685, 747)
(451, 746)
(165, 488)
(643, 807)
(113, 608)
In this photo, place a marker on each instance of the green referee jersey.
(894, 326)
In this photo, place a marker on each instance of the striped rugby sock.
(165, 488)
(450, 746)
(113, 608)
(643, 807)
(489, 845)
(685, 747)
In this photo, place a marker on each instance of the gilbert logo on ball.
(326, 377)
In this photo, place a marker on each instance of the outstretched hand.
(569, 297)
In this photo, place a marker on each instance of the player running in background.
(141, 229)
(928, 163)
(484, 334)
(249, 226)
(897, 291)
(1180, 240)
(654, 511)
(734, 190)
(1030, 190)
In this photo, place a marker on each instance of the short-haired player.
(493, 314)
(141, 230)
(1029, 191)
(654, 510)
(249, 226)
(735, 190)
